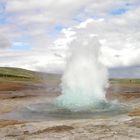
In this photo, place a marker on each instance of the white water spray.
(85, 78)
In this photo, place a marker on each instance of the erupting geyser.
(85, 78)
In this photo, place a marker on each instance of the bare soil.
(16, 94)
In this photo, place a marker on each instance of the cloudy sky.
(34, 34)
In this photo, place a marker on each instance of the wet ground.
(26, 113)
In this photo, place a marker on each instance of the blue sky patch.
(2, 13)
(55, 30)
(58, 28)
(19, 46)
(119, 11)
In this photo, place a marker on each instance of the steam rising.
(85, 78)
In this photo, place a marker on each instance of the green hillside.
(125, 81)
(8, 73)
(16, 72)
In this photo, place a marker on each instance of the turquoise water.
(49, 111)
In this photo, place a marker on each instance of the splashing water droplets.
(85, 77)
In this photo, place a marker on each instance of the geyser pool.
(49, 111)
(85, 78)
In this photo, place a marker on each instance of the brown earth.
(17, 94)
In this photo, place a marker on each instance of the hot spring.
(85, 78)
(83, 87)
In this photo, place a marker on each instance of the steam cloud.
(85, 78)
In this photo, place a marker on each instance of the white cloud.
(37, 17)
(34, 21)
(119, 36)
(4, 42)
(44, 61)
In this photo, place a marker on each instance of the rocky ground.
(18, 94)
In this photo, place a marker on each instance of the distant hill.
(19, 74)
(16, 72)
(8, 72)
(23, 74)
(132, 72)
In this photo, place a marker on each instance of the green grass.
(126, 81)
(17, 74)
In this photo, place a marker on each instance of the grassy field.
(18, 74)
(13, 79)
(127, 81)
